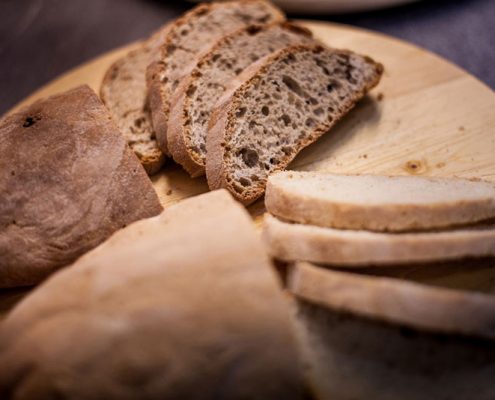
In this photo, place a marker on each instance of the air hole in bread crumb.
(245, 182)
(249, 156)
(241, 112)
(318, 111)
(293, 85)
(310, 122)
(286, 119)
(253, 30)
(265, 110)
(190, 90)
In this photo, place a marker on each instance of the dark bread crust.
(79, 184)
(175, 135)
(224, 118)
(160, 95)
(179, 111)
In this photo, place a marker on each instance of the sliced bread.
(67, 182)
(378, 203)
(165, 309)
(379, 338)
(286, 102)
(198, 93)
(124, 92)
(189, 37)
(346, 248)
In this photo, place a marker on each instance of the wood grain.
(427, 117)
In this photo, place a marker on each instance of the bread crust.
(175, 133)
(223, 116)
(352, 249)
(197, 303)
(414, 305)
(81, 184)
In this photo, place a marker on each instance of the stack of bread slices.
(357, 221)
(371, 261)
(234, 91)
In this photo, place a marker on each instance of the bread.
(378, 203)
(198, 93)
(184, 305)
(376, 338)
(190, 37)
(346, 248)
(286, 102)
(67, 182)
(124, 92)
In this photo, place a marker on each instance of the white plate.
(334, 6)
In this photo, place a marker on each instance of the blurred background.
(41, 39)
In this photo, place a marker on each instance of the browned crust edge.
(176, 133)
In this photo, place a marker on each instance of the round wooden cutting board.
(426, 117)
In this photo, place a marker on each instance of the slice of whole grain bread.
(188, 39)
(68, 180)
(347, 248)
(124, 92)
(185, 305)
(198, 93)
(378, 203)
(282, 104)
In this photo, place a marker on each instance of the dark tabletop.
(40, 39)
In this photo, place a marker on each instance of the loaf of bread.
(184, 305)
(124, 92)
(378, 203)
(190, 37)
(348, 248)
(382, 338)
(283, 103)
(67, 182)
(198, 93)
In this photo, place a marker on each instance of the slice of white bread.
(378, 203)
(184, 305)
(124, 92)
(198, 93)
(381, 338)
(67, 182)
(346, 248)
(283, 103)
(188, 39)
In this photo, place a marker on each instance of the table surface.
(41, 39)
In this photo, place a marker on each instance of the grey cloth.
(41, 39)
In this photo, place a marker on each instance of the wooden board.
(427, 117)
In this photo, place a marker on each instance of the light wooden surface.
(427, 117)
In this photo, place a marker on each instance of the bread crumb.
(168, 192)
(379, 96)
